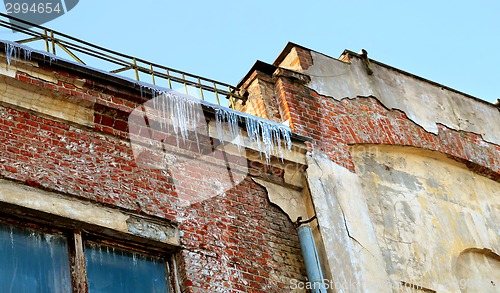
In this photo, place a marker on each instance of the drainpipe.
(310, 255)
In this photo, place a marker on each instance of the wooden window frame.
(77, 236)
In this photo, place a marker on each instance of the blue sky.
(454, 43)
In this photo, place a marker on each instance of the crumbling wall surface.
(232, 241)
(427, 210)
(408, 218)
(409, 214)
(478, 270)
(426, 104)
(334, 125)
(352, 252)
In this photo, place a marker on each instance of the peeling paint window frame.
(77, 238)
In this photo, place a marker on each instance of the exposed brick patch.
(305, 58)
(111, 120)
(334, 125)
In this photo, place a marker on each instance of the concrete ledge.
(19, 199)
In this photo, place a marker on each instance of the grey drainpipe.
(310, 255)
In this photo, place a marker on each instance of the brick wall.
(235, 242)
(335, 125)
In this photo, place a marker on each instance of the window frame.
(77, 234)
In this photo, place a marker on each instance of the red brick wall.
(235, 242)
(334, 125)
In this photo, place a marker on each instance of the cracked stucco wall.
(404, 217)
(478, 271)
(352, 252)
(426, 210)
(424, 103)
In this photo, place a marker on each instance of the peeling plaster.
(290, 201)
(424, 103)
(39, 99)
(426, 209)
(353, 255)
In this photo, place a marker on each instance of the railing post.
(134, 63)
(152, 73)
(201, 90)
(184, 83)
(231, 99)
(168, 78)
(216, 94)
(46, 39)
(53, 42)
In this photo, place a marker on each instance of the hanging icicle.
(270, 137)
(181, 114)
(184, 113)
(13, 50)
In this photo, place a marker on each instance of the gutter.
(310, 255)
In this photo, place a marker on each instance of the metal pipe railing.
(123, 63)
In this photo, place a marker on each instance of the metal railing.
(204, 88)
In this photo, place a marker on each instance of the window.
(115, 270)
(34, 258)
(33, 262)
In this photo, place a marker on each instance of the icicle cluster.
(178, 113)
(270, 137)
(181, 114)
(184, 113)
(232, 119)
(14, 50)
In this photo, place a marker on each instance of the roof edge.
(357, 55)
(260, 66)
(287, 50)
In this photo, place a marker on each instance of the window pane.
(33, 262)
(111, 270)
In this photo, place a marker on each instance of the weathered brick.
(97, 164)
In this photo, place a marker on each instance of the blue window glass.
(111, 270)
(33, 262)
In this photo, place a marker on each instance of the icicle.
(10, 50)
(134, 259)
(218, 122)
(13, 50)
(266, 134)
(177, 112)
(93, 254)
(232, 119)
(27, 53)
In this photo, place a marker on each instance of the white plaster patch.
(424, 103)
(289, 200)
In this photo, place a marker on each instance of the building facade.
(403, 173)
(110, 184)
